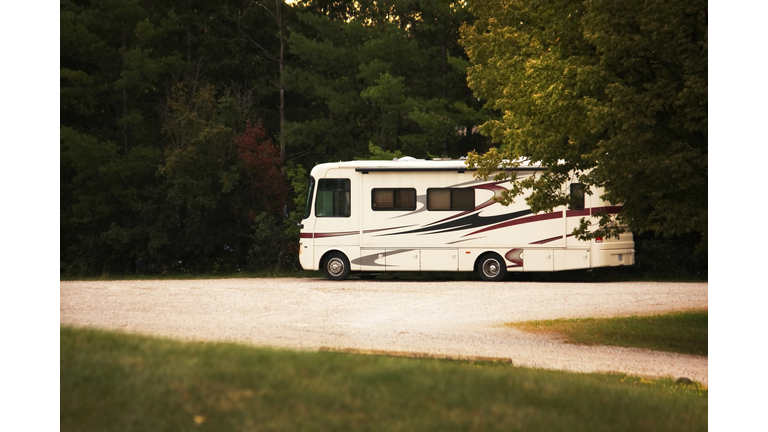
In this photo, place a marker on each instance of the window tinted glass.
(382, 199)
(405, 199)
(308, 206)
(577, 196)
(462, 199)
(438, 199)
(393, 199)
(451, 199)
(333, 198)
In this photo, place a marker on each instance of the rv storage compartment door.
(538, 260)
(403, 260)
(372, 260)
(571, 259)
(439, 260)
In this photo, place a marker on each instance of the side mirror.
(285, 216)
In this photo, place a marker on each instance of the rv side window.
(451, 199)
(332, 198)
(393, 199)
(577, 196)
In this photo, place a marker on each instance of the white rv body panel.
(435, 216)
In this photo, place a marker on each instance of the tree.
(278, 15)
(158, 163)
(266, 186)
(265, 190)
(114, 56)
(224, 187)
(388, 72)
(120, 59)
(609, 94)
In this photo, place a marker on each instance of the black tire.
(336, 266)
(491, 267)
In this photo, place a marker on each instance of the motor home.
(430, 215)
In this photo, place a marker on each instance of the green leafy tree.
(609, 94)
(223, 183)
(378, 153)
(388, 72)
(328, 113)
(119, 62)
(200, 177)
(113, 58)
(115, 54)
(279, 12)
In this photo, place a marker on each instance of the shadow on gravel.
(613, 274)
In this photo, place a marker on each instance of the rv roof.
(411, 164)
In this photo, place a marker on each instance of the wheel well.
(325, 256)
(483, 255)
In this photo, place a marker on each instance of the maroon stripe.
(586, 212)
(551, 239)
(324, 235)
(608, 209)
(385, 229)
(572, 213)
(336, 234)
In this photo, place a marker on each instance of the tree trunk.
(126, 127)
(279, 17)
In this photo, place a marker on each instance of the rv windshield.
(308, 206)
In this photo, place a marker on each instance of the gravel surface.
(441, 319)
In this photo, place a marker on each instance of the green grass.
(121, 382)
(680, 332)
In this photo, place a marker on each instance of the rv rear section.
(417, 215)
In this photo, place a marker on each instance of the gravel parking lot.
(442, 319)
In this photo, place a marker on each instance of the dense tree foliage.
(615, 92)
(388, 73)
(186, 126)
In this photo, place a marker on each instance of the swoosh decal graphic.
(551, 239)
(370, 260)
(513, 255)
(457, 222)
(546, 216)
(471, 221)
(537, 218)
(385, 229)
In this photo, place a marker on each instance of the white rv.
(422, 215)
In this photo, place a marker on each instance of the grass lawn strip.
(121, 382)
(678, 332)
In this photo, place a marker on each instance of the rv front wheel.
(491, 268)
(336, 266)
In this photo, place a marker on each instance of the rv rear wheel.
(491, 267)
(336, 266)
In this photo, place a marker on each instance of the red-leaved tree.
(266, 187)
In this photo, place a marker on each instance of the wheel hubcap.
(491, 268)
(335, 267)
